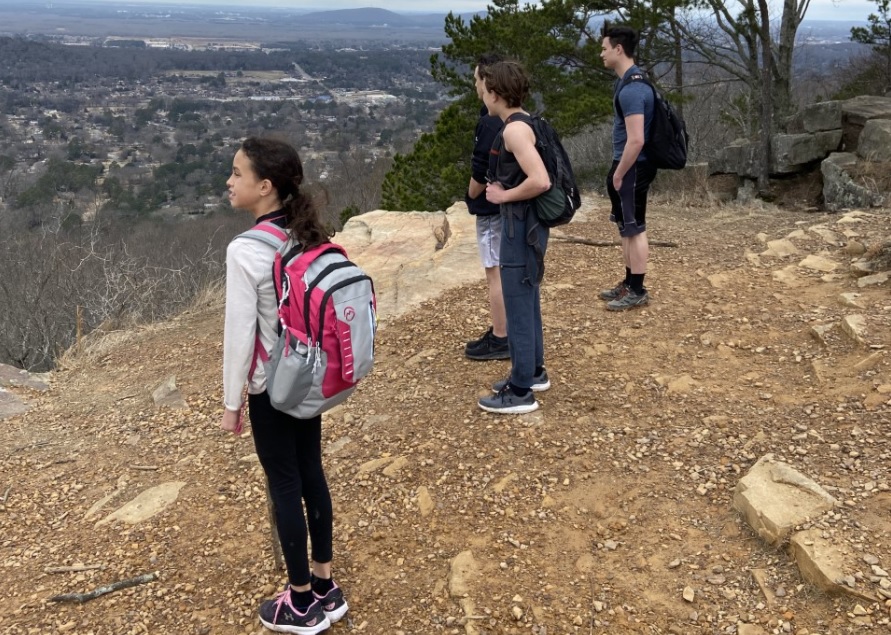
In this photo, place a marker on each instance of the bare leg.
(637, 251)
(496, 302)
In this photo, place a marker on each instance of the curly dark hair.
(279, 162)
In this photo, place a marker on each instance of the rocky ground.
(607, 511)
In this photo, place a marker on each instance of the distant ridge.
(371, 16)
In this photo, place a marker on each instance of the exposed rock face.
(856, 112)
(875, 140)
(413, 256)
(837, 134)
(839, 189)
(825, 115)
(791, 153)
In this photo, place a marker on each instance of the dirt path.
(591, 515)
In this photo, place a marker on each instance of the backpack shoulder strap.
(267, 232)
(634, 77)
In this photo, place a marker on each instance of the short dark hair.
(508, 80)
(624, 35)
(487, 59)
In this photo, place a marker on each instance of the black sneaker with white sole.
(506, 401)
(540, 382)
(280, 615)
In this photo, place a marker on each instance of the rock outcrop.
(413, 256)
(838, 136)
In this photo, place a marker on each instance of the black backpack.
(667, 146)
(558, 205)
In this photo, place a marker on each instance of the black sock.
(301, 599)
(321, 586)
(636, 282)
(627, 275)
(499, 340)
(539, 370)
(519, 392)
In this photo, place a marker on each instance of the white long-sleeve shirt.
(250, 300)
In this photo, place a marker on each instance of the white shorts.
(488, 238)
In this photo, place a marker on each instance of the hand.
(495, 193)
(231, 421)
(617, 182)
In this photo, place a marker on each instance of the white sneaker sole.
(321, 627)
(337, 614)
(512, 410)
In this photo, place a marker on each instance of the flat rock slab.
(10, 405)
(774, 498)
(12, 376)
(823, 564)
(149, 503)
(463, 569)
(168, 395)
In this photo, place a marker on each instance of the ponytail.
(279, 162)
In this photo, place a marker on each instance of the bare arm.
(519, 139)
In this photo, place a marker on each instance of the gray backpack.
(327, 324)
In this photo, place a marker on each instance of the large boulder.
(856, 112)
(740, 157)
(793, 152)
(840, 190)
(875, 140)
(819, 117)
(413, 256)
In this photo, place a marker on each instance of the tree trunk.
(781, 66)
(766, 98)
(678, 63)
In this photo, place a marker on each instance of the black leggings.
(290, 452)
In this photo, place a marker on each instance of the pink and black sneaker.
(333, 603)
(280, 615)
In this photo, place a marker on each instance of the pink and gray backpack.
(327, 323)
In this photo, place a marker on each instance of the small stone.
(689, 594)
(598, 606)
(860, 611)
(517, 613)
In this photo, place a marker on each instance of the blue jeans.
(521, 269)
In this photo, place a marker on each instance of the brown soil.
(591, 515)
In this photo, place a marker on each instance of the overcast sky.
(819, 9)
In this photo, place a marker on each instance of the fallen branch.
(28, 446)
(80, 598)
(75, 568)
(608, 243)
(146, 468)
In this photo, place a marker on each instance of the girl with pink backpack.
(266, 181)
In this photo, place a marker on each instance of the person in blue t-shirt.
(629, 179)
